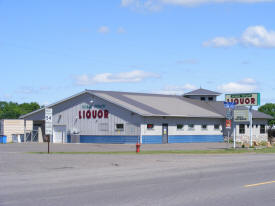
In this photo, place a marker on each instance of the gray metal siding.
(67, 114)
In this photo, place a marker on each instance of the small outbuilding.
(16, 130)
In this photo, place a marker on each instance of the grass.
(218, 151)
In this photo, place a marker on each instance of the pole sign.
(229, 105)
(245, 99)
(228, 124)
(229, 114)
(48, 121)
(241, 116)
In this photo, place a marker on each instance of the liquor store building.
(122, 117)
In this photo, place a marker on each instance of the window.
(216, 126)
(256, 126)
(204, 127)
(150, 126)
(242, 129)
(210, 99)
(191, 126)
(262, 129)
(202, 98)
(179, 126)
(120, 126)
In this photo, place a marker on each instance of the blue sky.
(52, 49)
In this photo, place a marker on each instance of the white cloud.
(5, 97)
(156, 5)
(32, 90)
(220, 42)
(132, 76)
(151, 5)
(198, 2)
(127, 2)
(177, 90)
(256, 36)
(121, 30)
(245, 85)
(103, 29)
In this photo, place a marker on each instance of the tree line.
(12, 110)
(269, 108)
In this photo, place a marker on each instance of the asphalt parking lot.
(130, 179)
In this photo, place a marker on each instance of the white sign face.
(229, 114)
(248, 99)
(48, 121)
(241, 116)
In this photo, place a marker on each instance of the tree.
(269, 108)
(12, 110)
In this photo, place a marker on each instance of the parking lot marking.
(261, 183)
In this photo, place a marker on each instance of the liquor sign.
(48, 121)
(245, 99)
(228, 124)
(241, 116)
(93, 114)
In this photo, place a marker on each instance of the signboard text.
(251, 99)
(89, 114)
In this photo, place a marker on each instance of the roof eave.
(53, 104)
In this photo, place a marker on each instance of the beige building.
(15, 129)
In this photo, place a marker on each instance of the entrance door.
(164, 133)
(59, 133)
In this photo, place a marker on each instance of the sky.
(53, 49)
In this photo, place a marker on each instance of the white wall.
(256, 135)
(172, 126)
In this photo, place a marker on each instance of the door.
(59, 133)
(164, 133)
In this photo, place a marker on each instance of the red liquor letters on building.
(89, 114)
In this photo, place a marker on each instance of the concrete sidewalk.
(42, 147)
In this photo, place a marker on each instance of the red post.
(137, 147)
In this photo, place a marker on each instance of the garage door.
(59, 133)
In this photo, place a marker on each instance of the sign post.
(250, 127)
(244, 99)
(228, 122)
(48, 126)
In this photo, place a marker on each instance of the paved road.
(166, 179)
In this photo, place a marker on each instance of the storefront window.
(191, 126)
(150, 126)
(216, 126)
(179, 126)
(242, 129)
(120, 126)
(204, 127)
(262, 129)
